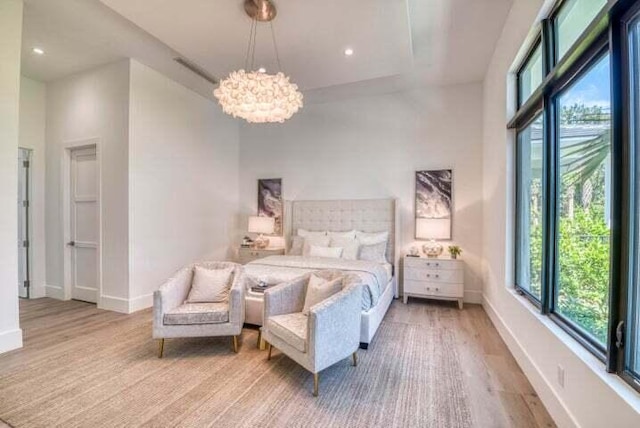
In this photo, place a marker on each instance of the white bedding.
(275, 269)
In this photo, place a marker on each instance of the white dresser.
(441, 279)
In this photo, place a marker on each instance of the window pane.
(529, 240)
(572, 19)
(530, 76)
(584, 202)
(634, 294)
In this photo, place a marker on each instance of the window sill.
(613, 381)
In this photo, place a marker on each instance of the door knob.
(71, 243)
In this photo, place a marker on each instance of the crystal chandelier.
(256, 96)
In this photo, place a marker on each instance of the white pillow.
(308, 233)
(320, 289)
(372, 238)
(349, 247)
(320, 241)
(330, 252)
(374, 253)
(297, 245)
(351, 234)
(210, 285)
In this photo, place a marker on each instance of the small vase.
(454, 256)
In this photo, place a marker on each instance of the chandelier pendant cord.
(250, 44)
(253, 51)
(275, 46)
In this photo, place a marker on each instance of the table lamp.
(262, 225)
(432, 229)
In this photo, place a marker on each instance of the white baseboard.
(125, 306)
(10, 340)
(54, 291)
(115, 304)
(540, 383)
(140, 302)
(473, 296)
(38, 291)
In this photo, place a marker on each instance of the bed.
(380, 279)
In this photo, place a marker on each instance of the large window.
(573, 18)
(633, 356)
(584, 202)
(530, 76)
(530, 205)
(577, 250)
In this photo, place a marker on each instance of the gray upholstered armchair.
(173, 317)
(328, 334)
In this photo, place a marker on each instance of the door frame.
(70, 146)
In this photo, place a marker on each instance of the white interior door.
(84, 231)
(23, 222)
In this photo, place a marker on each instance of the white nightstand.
(246, 255)
(441, 279)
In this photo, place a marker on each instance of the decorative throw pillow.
(350, 247)
(210, 285)
(351, 234)
(320, 241)
(308, 233)
(366, 238)
(320, 289)
(330, 252)
(374, 253)
(297, 244)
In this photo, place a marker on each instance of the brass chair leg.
(355, 359)
(269, 351)
(259, 338)
(315, 384)
(160, 348)
(235, 344)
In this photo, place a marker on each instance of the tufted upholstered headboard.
(367, 215)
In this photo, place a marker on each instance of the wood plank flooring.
(81, 366)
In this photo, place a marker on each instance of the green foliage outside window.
(583, 235)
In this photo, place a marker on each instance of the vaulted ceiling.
(434, 41)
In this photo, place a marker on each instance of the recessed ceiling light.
(262, 70)
(348, 51)
(37, 51)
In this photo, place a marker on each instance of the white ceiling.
(78, 35)
(311, 36)
(417, 41)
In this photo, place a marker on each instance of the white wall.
(590, 397)
(370, 147)
(183, 181)
(91, 106)
(32, 136)
(10, 44)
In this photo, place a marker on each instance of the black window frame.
(524, 290)
(537, 43)
(630, 238)
(555, 11)
(591, 57)
(606, 34)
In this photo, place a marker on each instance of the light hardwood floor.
(81, 366)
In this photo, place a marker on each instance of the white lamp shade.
(266, 225)
(433, 228)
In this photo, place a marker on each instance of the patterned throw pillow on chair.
(210, 285)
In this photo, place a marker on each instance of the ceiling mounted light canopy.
(255, 95)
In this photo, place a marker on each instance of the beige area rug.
(111, 377)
